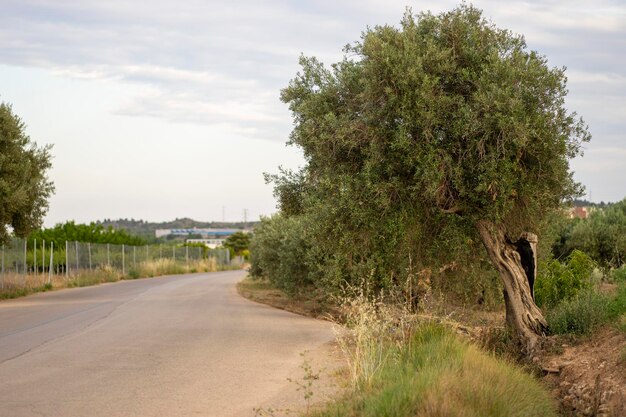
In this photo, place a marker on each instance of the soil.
(589, 377)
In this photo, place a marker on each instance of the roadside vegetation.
(15, 285)
(435, 373)
(437, 180)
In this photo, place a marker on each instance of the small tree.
(238, 242)
(24, 185)
(452, 116)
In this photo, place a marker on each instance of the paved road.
(173, 346)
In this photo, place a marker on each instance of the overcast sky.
(160, 109)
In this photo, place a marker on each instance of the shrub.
(561, 281)
(618, 275)
(279, 251)
(579, 315)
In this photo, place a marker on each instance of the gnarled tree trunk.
(516, 263)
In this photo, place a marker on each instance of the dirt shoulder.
(323, 374)
(589, 376)
(310, 305)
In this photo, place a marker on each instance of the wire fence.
(23, 259)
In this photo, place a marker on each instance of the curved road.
(172, 346)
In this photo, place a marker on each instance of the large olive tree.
(454, 116)
(24, 185)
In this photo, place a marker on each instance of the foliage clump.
(279, 251)
(238, 243)
(421, 132)
(602, 236)
(92, 232)
(586, 311)
(561, 281)
(24, 184)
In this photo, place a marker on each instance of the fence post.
(174, 253)
(51, 259)
(147, 253)
(123, 266)
(43, 257)
(76, 246)
(160, 251)
(134, 256)
(67, 262)
(2, 281)
(35, 256)
(89, 250)
(187, 255)
(25, 264)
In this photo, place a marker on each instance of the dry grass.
(14, 285)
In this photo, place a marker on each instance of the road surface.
(173, 346)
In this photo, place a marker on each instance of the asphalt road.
(172, 346)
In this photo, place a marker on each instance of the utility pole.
(245, 219)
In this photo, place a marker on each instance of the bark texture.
(522, 314)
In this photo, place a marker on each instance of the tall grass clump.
(579, 315)
(588, 310)
(16, 285)
(435, 373)
(372, 326)
(401, 365)
(160, 267)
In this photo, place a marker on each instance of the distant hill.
(585, 203)
(146, 229)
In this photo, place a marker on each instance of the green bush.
(587, 310)
(617, 305)
(618, 275)
(279, 250)
(579, 315)
(561, 281)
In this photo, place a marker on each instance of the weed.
(306, 384)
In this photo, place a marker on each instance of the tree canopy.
(24, 184)
(92, 232)
(238, 242)
(431, 136)
(448, 113)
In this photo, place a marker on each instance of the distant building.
(580, 212)
(205, 233)
(211, 243)
(209, 237)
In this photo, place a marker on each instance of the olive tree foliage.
(602, 236)
(447, 123)
(24, 185)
